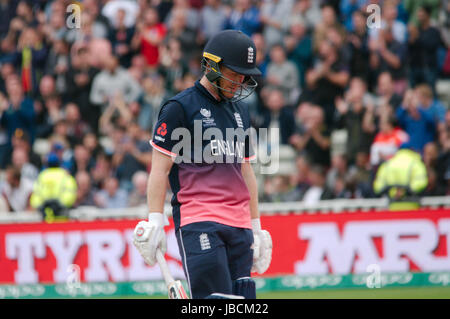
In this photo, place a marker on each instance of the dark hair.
(427, 8)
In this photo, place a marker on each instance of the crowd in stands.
(86, 90)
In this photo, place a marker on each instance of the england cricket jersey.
(208, 140)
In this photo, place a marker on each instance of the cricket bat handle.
(164, 268)
(174, 287)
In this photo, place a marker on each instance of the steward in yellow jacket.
(402, 178)
(54, 191)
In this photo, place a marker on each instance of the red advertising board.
(302, 244)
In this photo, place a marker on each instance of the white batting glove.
(262, 248)
(149, 235)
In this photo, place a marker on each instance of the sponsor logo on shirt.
(162, 129)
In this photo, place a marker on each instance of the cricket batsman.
(215, 197)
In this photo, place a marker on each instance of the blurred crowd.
(81, 90)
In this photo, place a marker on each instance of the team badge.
(251, 55)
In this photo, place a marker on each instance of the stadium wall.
(311, 251)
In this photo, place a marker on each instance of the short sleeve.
(171, 117)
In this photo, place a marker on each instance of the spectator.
(16, 191)
(387, 54)
(273, 18)
(358, 41)
(262, 56)
(431, 105)
(57, 65)
(21, 162)
(76, 127)
(351, 115)
(245, 17)
(299, 49)
(282, 74)
(138, 195)
(113, 80)
(111, 196)
(359, 178)
(279, 115)
(180, 30)
(30, 58)
(51, 113)
(300, 182)
(314, 137)
(153, 96)
(327, 79)
(417, 123)
(390, 21)
(102, 169)
(173, 66)
(79, 83)
(91, 142)
(131, 155)
(85, 192)
(130, 8)
(306, 11)
(318, 190)
(387, 141)
(121, 36)
(276, 188)
(386, 97)
(100, 23)
(148, 36)
(413, 6)
(81, 160)
(189, 11)
(7, 13)
(348, 8)
(21, 140)
(329, 22)
(444, 21)
(424, 44)
(16, 112)
(338, 169)
(213, 18)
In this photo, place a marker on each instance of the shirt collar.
(205, 92)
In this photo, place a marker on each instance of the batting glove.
(149, 235)
(262, 248)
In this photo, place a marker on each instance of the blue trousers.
(214, 255)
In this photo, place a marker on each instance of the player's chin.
(229, 93)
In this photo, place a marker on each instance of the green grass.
(382, 293)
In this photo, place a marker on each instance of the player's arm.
(250, 180)
(157, 181)
(149, 235)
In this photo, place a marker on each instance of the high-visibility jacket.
(54, 183)
(405, 174)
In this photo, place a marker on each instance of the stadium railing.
(335, 206)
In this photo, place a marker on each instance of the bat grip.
(164, 268)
